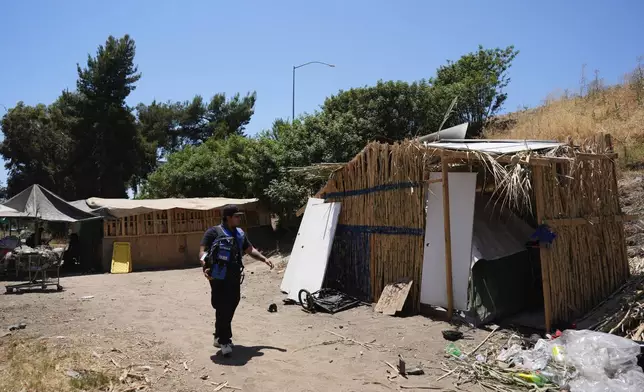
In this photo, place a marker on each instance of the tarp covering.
(125, 207)
(38, 202)
(497, 231)
(505, 274)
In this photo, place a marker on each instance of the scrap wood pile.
(622, 313)
(574, 361)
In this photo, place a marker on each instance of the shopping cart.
(43, 270)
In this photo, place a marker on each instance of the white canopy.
(126, 207)
(7, 212)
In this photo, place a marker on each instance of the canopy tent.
(125, 207)
(7, 212)
(39, 203)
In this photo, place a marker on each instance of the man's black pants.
(224, 298)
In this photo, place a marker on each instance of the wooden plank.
(448, 238)
(591, 221)
(393, 297)
(537, 183)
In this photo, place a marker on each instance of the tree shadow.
(242, 355)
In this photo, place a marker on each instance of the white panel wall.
(433, 289)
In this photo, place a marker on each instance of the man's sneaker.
(226, 349)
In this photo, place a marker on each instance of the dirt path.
(166, 315)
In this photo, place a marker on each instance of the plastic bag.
(535, 359)
(604, 362)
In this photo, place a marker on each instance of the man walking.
(220, 254)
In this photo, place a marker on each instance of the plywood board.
(310, 262)
(393, 297)
(433, 291)
(297, 252)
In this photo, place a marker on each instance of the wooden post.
(537, 184)
(448, 238)
(170, 221)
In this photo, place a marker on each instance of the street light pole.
(300, 66)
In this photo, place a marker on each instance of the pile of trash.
(48, 256)
(579, 361)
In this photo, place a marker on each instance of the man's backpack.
(225, 252)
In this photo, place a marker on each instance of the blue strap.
(239, 236)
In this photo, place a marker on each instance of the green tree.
(172, 125)
(215, 168)
(36, 148)
(108, 150)
(478, 79)
(387, 111)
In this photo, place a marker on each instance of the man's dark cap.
(231, 210)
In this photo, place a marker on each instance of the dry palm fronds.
(317, 170)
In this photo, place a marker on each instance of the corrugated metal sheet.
(495, 146)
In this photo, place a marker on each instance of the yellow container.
(121, 258)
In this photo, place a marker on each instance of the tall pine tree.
(107, 147)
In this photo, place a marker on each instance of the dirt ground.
(163, 320)
(149, 318)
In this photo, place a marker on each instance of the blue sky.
(204, 47)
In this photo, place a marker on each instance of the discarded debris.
(114, 362)
(272, 308)
(185, 365)
(72, 374)
(415, 371)
(365, 345)
(393, 297)
(16, 327)
(401, 366)
(483, 342)
(205, 377)
(87, 297)
(452, 335)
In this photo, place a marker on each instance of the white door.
(308, 262)
(433, 288)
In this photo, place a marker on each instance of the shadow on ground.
(242, 355)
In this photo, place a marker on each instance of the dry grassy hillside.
(618, 110)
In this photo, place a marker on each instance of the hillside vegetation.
(618, 110)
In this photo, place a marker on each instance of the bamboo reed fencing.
(587, 261)
(381, 227)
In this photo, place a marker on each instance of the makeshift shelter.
(37, 202)
(392, 224)
(165, 233)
